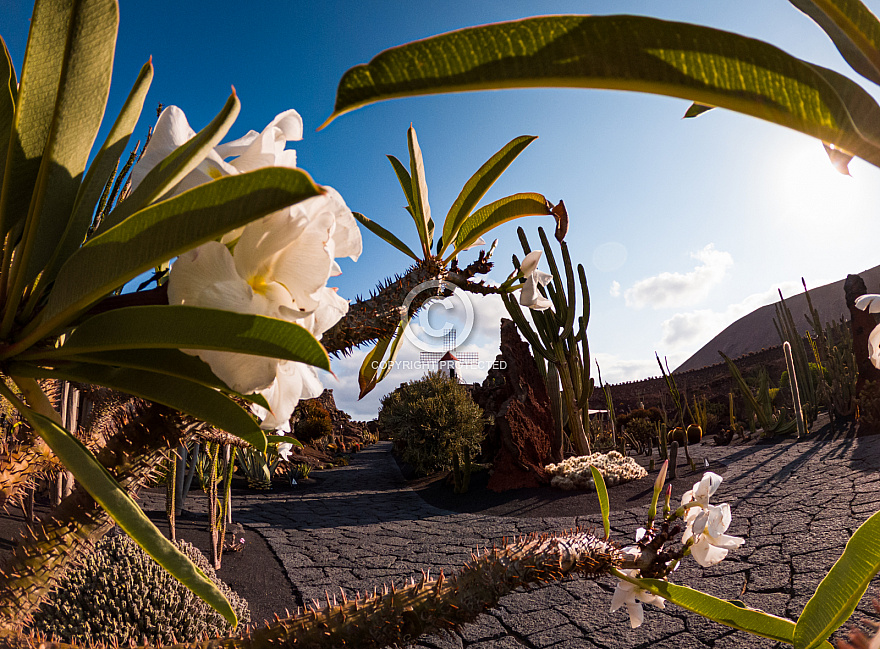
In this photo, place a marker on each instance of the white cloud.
(671, 290)
(615, 289)
(619, 370)
(692, 329)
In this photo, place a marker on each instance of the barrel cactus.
(120, 595)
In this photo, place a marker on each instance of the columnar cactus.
(561, 350)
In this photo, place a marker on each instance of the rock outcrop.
(519, 441)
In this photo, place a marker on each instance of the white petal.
(171, 130)
(267, 149)
(700, 521)
(262, 240)
(331, 309)
(718, 519)
(236, 147)
(206, 277)
(305, 265)
(530, 296)
(476, 244)
(707, 486)
(874, 346)
(282, 395)
(636, 614)
(727, 542)
(243, 373)
(530, 263)
(871, 302)
(707, 554)
(346, 234)
(622, 595)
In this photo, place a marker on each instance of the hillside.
(755, 331)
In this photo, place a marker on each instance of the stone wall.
(713, 382)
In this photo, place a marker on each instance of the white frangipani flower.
(632, 597)
(530, 296)
(277, 266)
(709, 527)
(871, 304)
(284, 450)
(707, 523)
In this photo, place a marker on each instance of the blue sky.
(682, 225)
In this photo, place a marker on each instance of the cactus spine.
(556, 343)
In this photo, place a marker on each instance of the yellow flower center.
(259, 284)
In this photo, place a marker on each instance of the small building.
(448, 365)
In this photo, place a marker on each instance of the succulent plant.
(120, 595)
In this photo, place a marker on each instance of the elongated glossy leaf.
(190, 327)
(274, 440)
(92, 475)
(100, 170)
(695, 110)
(83, 87)
(405, 181)
(379, 361)
(421, 209)
(189, 397)
(384, 234)
(602, 493)
(163, 361)
(166, 229)
(8, 94)
(176, 166)
(478, 184)
(494, 214)
(35, 105)
(838, 594)
(733, 615)
(854, 30)
(709, 66)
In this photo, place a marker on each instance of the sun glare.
(808, 190)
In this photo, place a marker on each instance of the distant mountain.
(755, 331)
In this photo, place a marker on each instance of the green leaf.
(704, 65)
(696, 109)
(165, 175)
(379, 361)
(421, 209)
(602, 492)
(162, 361)
(92, 475)
(478, 184)
(274, 440)
(100, 170)
(405, 181)
(189, 397)
(164, 230)
(733, 615)
(35, 106)
(840, 591)
(83, 87)
(494, 214)
(190, 327)
(8, 95)
(854, 30)
(384, 234)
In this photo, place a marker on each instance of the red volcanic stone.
(520, 442)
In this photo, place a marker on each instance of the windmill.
(449, 360)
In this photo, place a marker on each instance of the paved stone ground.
(796, 504)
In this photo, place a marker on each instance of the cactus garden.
(202, 324)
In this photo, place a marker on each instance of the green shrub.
(119, 595)
(314, 421)
(432, 421)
